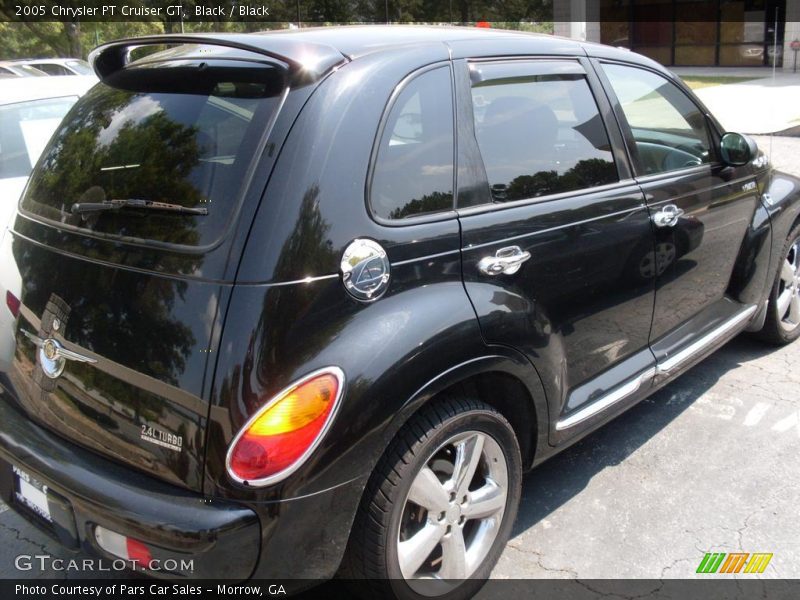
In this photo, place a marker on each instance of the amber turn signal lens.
(282, 433)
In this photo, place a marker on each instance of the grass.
(702, 81)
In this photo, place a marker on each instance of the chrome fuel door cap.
(365, 269)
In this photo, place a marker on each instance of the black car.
(305, 303)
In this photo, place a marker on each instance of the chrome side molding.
(612, 397)
(670, 364)
(664, 367)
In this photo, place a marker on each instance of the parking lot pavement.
(707, 464)
(732, 104)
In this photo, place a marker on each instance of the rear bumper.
(222, 539)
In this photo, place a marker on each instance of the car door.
(701, 209)
(557, 247)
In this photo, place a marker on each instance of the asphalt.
(707, 464)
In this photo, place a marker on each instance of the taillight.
(12, 302)
(284, 433)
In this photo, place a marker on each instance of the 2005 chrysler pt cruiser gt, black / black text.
(306, 303)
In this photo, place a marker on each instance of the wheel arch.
(504, 380)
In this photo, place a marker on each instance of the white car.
(10, 69)
(61, 66)
(30, 110)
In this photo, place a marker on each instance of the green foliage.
(429, 203)
(44, 40)
(76, 39)
(585, 174)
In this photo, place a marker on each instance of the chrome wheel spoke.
(794, 309)
(427, 492)
(784, 300)
(414, 551)
(486, 501)
(454, 555)
(788, 272)
(468, 455)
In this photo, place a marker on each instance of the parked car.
(30, 110)
(61, 66)
(311, 302)
(14, 69)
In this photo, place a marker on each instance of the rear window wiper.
(87, 207)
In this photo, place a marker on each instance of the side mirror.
(737, 149)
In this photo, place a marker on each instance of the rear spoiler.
(304, 60)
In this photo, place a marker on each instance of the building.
(735, 33)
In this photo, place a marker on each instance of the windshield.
(167, 135)
(25, 128)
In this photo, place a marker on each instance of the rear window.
(182, 134)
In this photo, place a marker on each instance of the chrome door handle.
(506, 260)
(668, 216)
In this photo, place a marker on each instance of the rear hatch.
(121, 245)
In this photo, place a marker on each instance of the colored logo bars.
(736, 562)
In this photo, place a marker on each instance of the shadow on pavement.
(556, 481)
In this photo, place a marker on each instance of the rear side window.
(52, 69)
(177, 135)
(413, 173)
(539, 130)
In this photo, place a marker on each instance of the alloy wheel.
(453, 512)
(788, 301)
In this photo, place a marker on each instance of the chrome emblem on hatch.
(53, 356)
(365, 269)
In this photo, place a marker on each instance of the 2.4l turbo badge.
(162, 438)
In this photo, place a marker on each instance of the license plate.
(31, 493)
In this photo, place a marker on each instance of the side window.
(413, 172)
(539, 134)
(669, 130)
(52, 69)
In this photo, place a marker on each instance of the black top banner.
(485, 12)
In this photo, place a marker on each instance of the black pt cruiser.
(306, 303)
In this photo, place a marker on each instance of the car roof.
(327, 47)
(23, 89)
(21, 69)
(57, 61)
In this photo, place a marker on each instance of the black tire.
(371, 564)
(774, 331)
